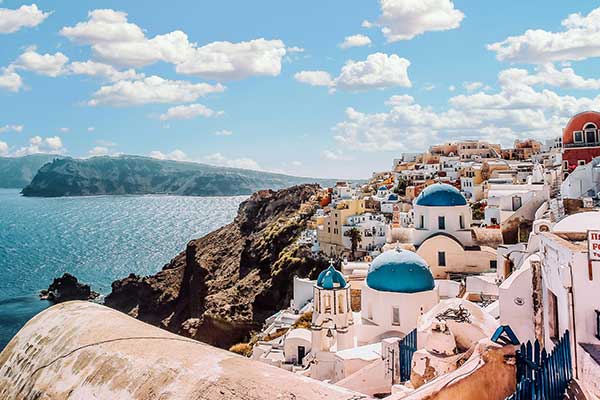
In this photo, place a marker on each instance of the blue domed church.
(398, 289)
(443, 235)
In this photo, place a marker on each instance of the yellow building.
(329, 229)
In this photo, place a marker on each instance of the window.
(516, 203)
(441, 258)
(553, 316)
(340, 303)
(590, 133)
(421, 221)
(566, 164)
(370, 311)
(493, 264)
(461, 221)
(581, 162)
(328, 230)
(578, 136)
(327, 301)
(395, 316)
(442, 222)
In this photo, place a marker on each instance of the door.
(301, 354)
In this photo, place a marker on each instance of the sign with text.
(594, 245)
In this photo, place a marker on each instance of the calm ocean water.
(97, 239)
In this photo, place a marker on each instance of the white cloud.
(53, 142)
(295, 49)
(335, 155)
(222, 161)
(296, 163)
(37, 144)
(579, 40)
(3, 148)
(405, 19)
(117, 41)
(472, 86)
(176, 155)
(452, 88)
(24, 16)
(91, 129)
(152, 89)
(65, 130)
(429, 87)
(99, 151)
(226, 60)
(548, 75)
(223, 132)
(314, 78)
(11, 128)
(355, 41)
(10, 80)
(189, 112)
(378, 71)
(43, 64)
(104, 71)
(517, 110)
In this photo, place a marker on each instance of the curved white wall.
(377, 308)
(452, 222)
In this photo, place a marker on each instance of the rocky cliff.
(143, 175)
(225, 284)
(17, 172)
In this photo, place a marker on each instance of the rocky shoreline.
(67, 288)
(225, 284)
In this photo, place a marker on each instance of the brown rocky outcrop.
(67, 288)
(225, 284)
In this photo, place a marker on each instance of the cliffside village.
(443, 265)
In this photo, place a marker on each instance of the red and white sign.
(594, 245)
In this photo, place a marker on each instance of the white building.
(504, 200)
(584, 181)
(372, 228)
(399, 288)
(555, 290)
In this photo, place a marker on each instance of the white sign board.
(594, 245)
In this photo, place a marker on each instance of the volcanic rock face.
(225, 284)
(67, 288)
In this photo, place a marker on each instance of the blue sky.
(270, 84)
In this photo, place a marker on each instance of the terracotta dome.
(578, 122)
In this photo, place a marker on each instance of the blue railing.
(541, 376)
(408, 345)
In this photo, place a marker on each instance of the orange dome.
(578, 122)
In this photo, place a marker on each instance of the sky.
(314, 88)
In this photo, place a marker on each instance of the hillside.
(143, 175)
(225, 284)
(17, 172)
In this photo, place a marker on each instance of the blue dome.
(393, 197)
(329, 277)
(400, 271)
(441, 195)
(383, 188)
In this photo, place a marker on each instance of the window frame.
(395, 313)
(575, 137)
(442, 259)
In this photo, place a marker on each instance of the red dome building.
(581, 140)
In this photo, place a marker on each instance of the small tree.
(355, 239)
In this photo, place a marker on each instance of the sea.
(98, 239)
